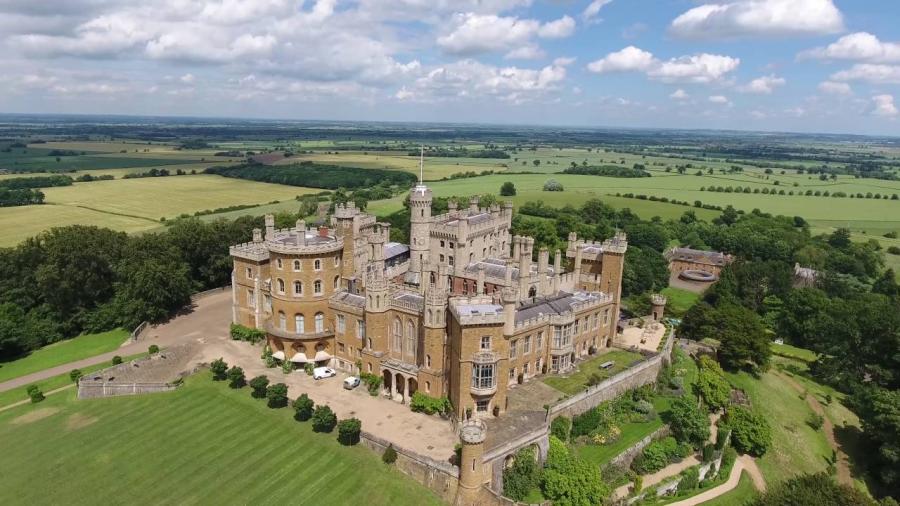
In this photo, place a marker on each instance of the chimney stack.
(270, 227)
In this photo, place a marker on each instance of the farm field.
(63, 352)
(134, 205)
(250, 454)
(435, 167)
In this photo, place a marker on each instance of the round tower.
(471, 477)
(420, 226)
(658, 301)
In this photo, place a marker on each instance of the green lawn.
(678, 300)
(738, 496)
(63, 352)
(202, 444)
(19, 394)
(796, 447)
(578, 380)
(786, 350)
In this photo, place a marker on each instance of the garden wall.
(92, 390)
(625, 458)
(441, 478)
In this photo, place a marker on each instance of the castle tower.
(376, 285)
(471, 468)
(658, 302)
(420, 221)
(433, 356)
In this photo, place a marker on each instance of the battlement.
(658, 299)
(477, 310)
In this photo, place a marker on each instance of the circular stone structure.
(698, 275)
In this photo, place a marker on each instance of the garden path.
(26, 401)
(743, 463)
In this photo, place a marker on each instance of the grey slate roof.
(554, 305)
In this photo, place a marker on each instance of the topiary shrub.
(219, 369)
(258, 386)
(390, 455)
(75, 375)
(323, 419)
(116, 360)
(276, 395)
(153, 349)
(348, 431)
(35, 394)
(303, 407)
(236, 377)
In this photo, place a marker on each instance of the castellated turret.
(420, 200)
(377, 300)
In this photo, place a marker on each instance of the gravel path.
(743, 463)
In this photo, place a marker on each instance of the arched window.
(320, 322)
(317, 287)
(337, 282)
(370, 343)
(297, 265)
(428, 361)
(299, 325)
(280, 285)
(398, 335)
(337, 260)
(428, 386)
(298, 288)
(317, 265)
(532, 291)
(411, 338)
(282, 321)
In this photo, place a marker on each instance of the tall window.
(317, 287)
(317, 265)
(320, 322)
(299, 326)
(337, 260)
(279, 283)
(483, 375)
(297, 265)
(513, 346)
(606, 316)
(337, 282)
(526, 345)
(360, 329)
(278, 263)
(398, 335)
(539, 345)
(341, 325)
(485, 342)
(411, 339)
(249, 273)
(282, 321)
(298, 288)
(428, 361)
(251, 298)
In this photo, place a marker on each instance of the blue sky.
(780, 65)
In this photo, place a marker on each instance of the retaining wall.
(625, 458)
(91, 390)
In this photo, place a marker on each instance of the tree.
(560, 427)
(22, 331)
(323, 419)
(276, 395)
(750, 431)
(303, 407)
(349, 430)
(508, 189)
(236, 377)
(35, 393)
(116, 360)
(523, 476)
(711, 383)
(75, 375)
(743, 338)
(258, 386)
(879, 411)
(568, 480)
(688, 423)
(153, 349)
(552, 185)
(812, 490)
(390, 455)
(219, 369)
(646, 270)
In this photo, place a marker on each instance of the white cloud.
(720, 100)
(698, 68)
(475, 33)
(741, 18)
(884, 106)
(833, 88)
(593, 9)
(679, 94)
(527, 52)
(628, 59)
(870, 72)
(764, 85)
(187, 78)
(860, 46)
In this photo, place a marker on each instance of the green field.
(202, 444)
(796, 447)
(63, 352)
(678, 301)
(786, 350)
(134, 205)
(578, 380)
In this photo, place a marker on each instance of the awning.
(299, 358)
(278, 355)
(322, 355)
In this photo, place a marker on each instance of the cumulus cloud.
(743, 18)
(698, 68)
(476, 33)
(720, 100)
(871, 73)
(679, 95)
(884, 106)
(833, 88)
(590, 13)
(764, 85)
(860, 46)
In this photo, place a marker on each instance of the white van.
(351, 382)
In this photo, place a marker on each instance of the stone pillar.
(579, 251)
(543, 261)
(557, 271)
(471, 467)
(508, 297)
(270, 227)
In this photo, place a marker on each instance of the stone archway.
(412, 386)
(387, 383)
(400, 383)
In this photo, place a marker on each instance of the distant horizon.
(261, 119)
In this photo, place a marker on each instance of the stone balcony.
(306, 336)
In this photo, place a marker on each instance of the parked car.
(323, 372)
(351, 382)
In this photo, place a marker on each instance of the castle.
(464, 311)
